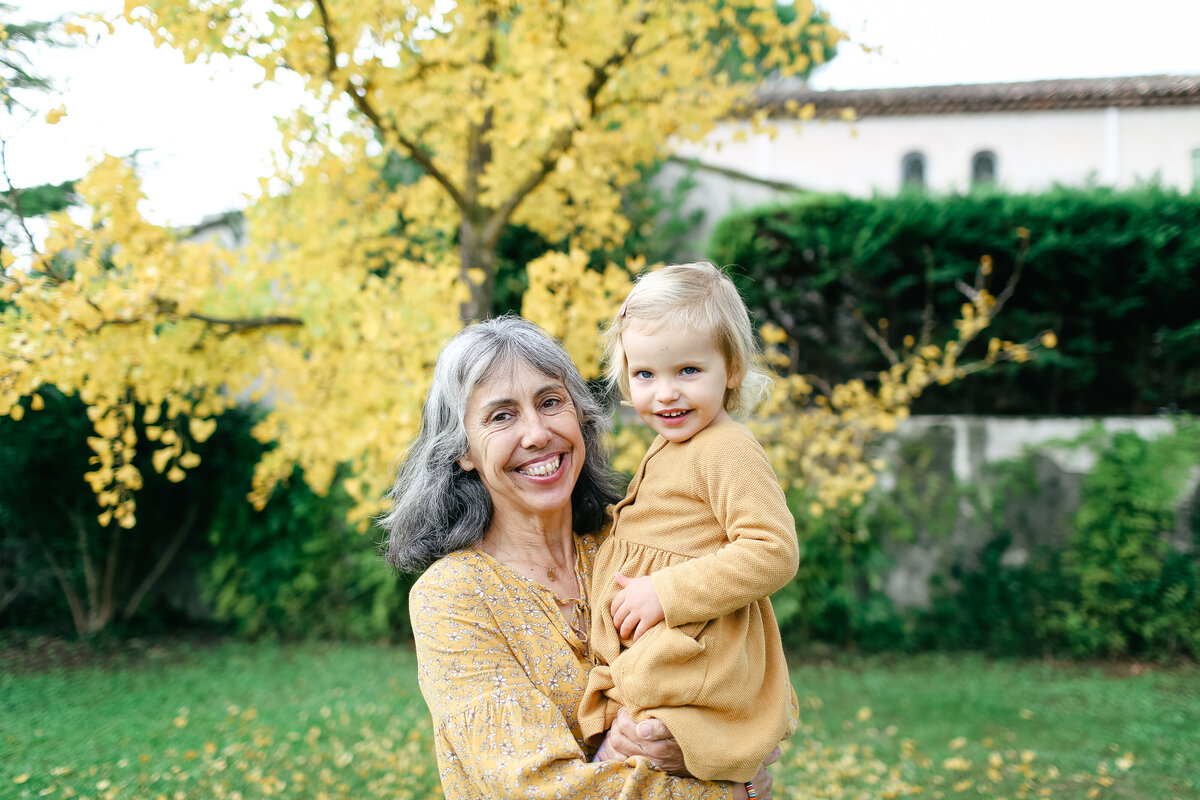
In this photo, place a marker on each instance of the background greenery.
(295, 569)
(1110, 587)
(1116, 588)
(1106, 270)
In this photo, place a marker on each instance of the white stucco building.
(1021, 136)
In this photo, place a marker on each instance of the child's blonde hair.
(696, 299)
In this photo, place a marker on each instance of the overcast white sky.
(205, 131)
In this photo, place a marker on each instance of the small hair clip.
(624, 306)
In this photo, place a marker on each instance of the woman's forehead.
(513, 378)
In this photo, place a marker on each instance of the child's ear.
(735, 378)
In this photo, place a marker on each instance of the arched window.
(983, 168)
(912, 170)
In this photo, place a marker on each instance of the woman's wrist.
(744, 790)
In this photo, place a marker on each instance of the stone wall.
(951, 453)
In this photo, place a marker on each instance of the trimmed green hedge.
(1114, 274)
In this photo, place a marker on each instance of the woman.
(504, 497)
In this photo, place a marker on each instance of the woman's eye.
(501, 416)
(551, 402)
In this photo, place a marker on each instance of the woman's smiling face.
(525, 443)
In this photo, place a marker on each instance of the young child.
(682, 629)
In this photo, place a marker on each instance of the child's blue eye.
(643, 374)
(690, 370)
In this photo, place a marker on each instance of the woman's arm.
(497, 734)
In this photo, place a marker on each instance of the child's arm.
(762, 553)
(636, 608)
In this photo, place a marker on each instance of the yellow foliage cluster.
(130, 315)
(503, 113)
(92, 315)
(534, 113)
(818, 440)
(573, 303)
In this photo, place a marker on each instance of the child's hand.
(636, 609)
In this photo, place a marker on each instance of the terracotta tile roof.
(1148, 90)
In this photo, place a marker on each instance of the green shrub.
(1114, 588)
(837, 595)
(995, 608)
(1104, 269)
(297, 569)
(60, 568)
(1134, 594)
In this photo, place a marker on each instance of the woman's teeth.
(543, 469)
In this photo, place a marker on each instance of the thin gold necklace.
(551, 571)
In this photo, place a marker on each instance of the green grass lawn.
(1075, 720)
(332, 721)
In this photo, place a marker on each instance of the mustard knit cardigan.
(708, 520)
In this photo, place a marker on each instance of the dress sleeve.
(499, 735)
(762, 553)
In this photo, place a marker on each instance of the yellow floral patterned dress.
(502, 673)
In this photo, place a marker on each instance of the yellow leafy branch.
(818, 440)
(816, 434)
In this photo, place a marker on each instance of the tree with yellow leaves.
(498, 114)
(529, 113)
(434, 128)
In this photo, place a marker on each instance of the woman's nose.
(536, 433)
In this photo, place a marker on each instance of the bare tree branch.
(872, 334)
(78, 616)
(12, 594)
(164, 560)
(235, 324)
(360, 96)
(736, 174)
(15, 194)
(562, 141)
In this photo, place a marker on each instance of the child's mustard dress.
(708, 520)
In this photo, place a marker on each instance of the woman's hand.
(649, 738)
(636, 608)
(764, 784)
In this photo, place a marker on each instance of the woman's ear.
(465, 463)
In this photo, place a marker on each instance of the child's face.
(677, 379)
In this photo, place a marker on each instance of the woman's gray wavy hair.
(437, 507)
